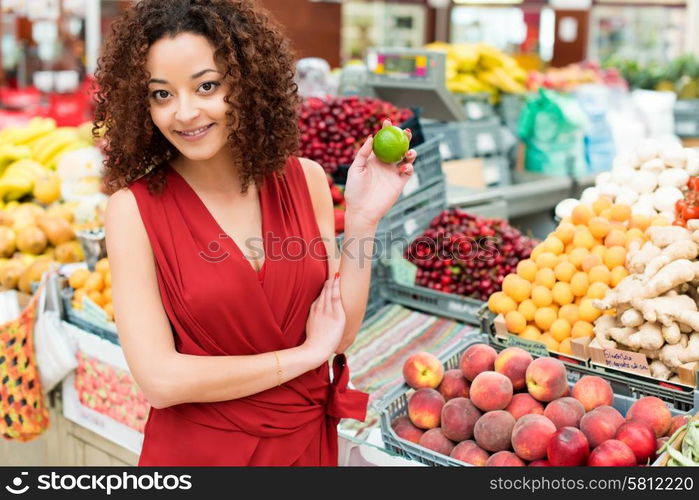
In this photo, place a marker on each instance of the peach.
(513, 363)
(546, 379)
(405, 429)
(469, 452)
(540, 463)
(652, 411)
(491, 391)
(565, 412)
(531, 435)
(494, 430)
(677, 422)
(600, 424)
(459, 416)
(568, 447)
(523, 404)
(477, 359)
(612, 453)
(435, 440)
(640, 438)
(454, 385)
(425, 408)
(592, 392)
(505, 459)
(423, 369)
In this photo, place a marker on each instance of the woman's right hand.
(326, 322)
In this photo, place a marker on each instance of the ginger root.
(682, 249)
(658, 369)
(637, 259)
(603, 325)
(676, 355)
(631, 317)
(662, 236)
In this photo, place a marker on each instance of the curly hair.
(258, 67)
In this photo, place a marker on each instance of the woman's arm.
(167, 377)
(355, 262)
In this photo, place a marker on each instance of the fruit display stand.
(395, 405)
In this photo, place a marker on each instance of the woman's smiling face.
(186, 95)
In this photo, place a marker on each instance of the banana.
(10, 153)
(14, 188)
(52, 162)
(60, 140)
(37, 127)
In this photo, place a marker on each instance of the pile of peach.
(508, 409)
(549, 298)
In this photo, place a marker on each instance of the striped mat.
(385, 341)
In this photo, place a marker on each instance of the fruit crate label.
(485, 143)
(572, 376)
(412, 185)
(402, 270)
(531, 346)
(622, 360)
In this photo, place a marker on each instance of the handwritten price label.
(626, 360)
(532, 347)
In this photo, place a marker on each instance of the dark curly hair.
(258, 67)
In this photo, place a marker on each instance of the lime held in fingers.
(391, 144)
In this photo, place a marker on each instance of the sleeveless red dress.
(218, 305)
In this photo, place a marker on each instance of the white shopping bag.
(55, 354)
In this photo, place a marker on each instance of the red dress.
(219, 305)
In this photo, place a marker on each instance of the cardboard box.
(466, 173)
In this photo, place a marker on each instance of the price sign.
(532, 347)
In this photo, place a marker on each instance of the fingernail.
(403, 169)
(408, 130)
(337, 275)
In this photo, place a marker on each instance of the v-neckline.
(260, 200)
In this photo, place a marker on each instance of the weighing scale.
(410, 78)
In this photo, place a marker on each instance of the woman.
(221, 242)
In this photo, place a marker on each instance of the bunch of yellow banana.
(10, 153)
(48, 149)
(478, 68)
(19, 178)
(36, 127)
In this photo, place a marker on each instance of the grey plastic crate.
(395, 405)
(687, 118)
(458, 140)
(427, 166)
(680, 397)
(476, 106)
(406, 210)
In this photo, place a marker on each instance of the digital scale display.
(409, 66)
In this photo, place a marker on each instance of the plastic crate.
(678, 396)
(402, 219)
(460, 140)
(510, 108)
(687, 118)
(395, 405)
(476, 106)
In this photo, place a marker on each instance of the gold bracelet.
(279, 368)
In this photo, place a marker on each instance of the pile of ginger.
(654, 309)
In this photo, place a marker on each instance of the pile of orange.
(97, 285)
(549, 298)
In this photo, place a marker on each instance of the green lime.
(391, 144)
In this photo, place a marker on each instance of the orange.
(579, 284)
(639, 221)
(606, 213)
(554, 245)
(515, 322)
(564, 271)
(78, 278)
(560, 329)
(597, 290)
(530, 333)
(565, 347)
(616, 237)
(577, 256)
(47, 187)
(587, 311)
(550, 343)
(618, 274)
(96, 297)
(599, 227)
(582, 329)
(94, 282)
(614, 256)
(581, 214)
(544, 317)
(591, 261)
(527, 309)
(541, 296)
(600, 274)
(494, 300)
(102, 266)
(545, 277)
(565, 232)
(601, 204)
(621, 213)
(546, 259)
(569, 312)
(527, 269)
(562, 294)
(583, 238)
(109, 309)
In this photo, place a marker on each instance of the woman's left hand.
(373, 186)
